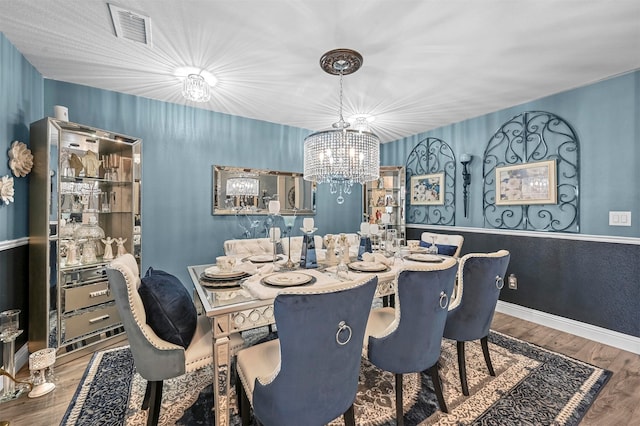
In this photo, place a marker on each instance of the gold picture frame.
(427, 189)
(527, 183)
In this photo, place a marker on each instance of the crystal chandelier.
(341, 156)
(195, 88)
(242, 186)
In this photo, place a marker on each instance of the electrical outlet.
(619, 218)
(513, 282)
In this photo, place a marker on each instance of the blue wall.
(180, 146)
(21, 94)
(605, 118)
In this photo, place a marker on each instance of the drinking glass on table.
(390, 236)
(375, 240)
(433, 248)
(342, 270)
(395, 249)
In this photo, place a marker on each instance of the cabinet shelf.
(94, 180)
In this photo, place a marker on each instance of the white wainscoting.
(588, 331)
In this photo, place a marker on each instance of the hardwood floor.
(617, 404)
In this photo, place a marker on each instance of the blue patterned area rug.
(532, 386)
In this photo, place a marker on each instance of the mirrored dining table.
(232, 308)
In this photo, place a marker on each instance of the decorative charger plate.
(262, 258)
(288, 279)
(213, 283)
(424, 257)
(368, 266)
(215, 273)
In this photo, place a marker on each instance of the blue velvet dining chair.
(156, 358)
(408, 338)
(309, 375)
(480, 279)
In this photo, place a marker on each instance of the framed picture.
(528, 183)
(427, 189)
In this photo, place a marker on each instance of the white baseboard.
(588, 331)
(22, 357)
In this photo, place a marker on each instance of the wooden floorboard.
(617, 404)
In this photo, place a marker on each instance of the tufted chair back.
(408, 338)
(446, 239)
(313, 367)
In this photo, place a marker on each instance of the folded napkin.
(247, 267)
(377, 257)
(259, 291)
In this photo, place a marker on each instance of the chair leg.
(155, 402)
(485, 350)
(349, 417)
(244, 404)
(147, 393)
(462, 368)
(399, 410)
(437, 387)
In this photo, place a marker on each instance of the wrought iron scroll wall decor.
(432, 156)
(534, 136)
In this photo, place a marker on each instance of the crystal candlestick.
(288, 223)
(8, 333)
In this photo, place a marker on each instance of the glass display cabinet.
(84, 209)
(384, 199)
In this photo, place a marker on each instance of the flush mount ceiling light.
(341, 156)
(195, 88)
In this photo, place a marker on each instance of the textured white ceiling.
(427, 63)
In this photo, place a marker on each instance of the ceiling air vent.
(131, 25)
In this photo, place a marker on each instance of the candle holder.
(288, 223)
(365, 240)
(39, 362)
(465, 159)
(308, 257)
(9, 331)
(274, 238)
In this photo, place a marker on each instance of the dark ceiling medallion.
(341, 61)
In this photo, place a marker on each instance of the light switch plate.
(619, 218)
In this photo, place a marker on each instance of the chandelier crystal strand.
(341, 156)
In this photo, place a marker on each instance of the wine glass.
(342, 270)
(433, 248)
(373, 230)
(390, 237)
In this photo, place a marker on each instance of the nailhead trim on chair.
(460, 289)
(397, 311)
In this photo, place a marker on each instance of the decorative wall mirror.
(240, 189)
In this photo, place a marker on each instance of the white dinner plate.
(368, 266)
(262, 258)
(424, 257)
(287, 279)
